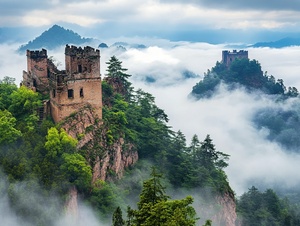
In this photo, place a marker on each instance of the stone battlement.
(37, 53)
(86, 51)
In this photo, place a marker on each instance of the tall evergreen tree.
(155, 208)
(117, 77)
(118, 218)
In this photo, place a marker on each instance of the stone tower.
(228, 57)
(36, 76)
(78, 86)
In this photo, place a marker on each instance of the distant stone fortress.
(69, 90)
(228, 57)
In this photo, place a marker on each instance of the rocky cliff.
(227, 214)
(220, 209)
(107, 161)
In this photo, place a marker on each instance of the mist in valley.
(228, 117)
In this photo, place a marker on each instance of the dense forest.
(39, 156)
(265, 208)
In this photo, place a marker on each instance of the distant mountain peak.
(284, 42)
(54, 37)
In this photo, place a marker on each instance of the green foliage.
(198, 165)
(77, 171)
(116, 118)
(155, 208)
(61, 163)
(7, 87)
(58, 141)
(118, 218)
(266, 208)
(153, 191)
(24, 102)
(104, 198)
(244, 72)
(143, 124)
(8, 131)
(117, 77)
(23, 106)
(115, 69)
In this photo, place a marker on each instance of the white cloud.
(11, 63)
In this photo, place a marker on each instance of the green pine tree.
(118, 218)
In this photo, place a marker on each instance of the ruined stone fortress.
(228, 57)
(77, 86)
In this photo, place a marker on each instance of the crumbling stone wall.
(36, 76)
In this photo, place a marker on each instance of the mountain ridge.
(54, 37)
(281, 43)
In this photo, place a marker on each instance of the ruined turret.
(228, 57)
(37, 75)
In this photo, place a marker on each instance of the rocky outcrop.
(220, 209)
(227, 214)
(113, 163)
(71, 204)
(107, 161)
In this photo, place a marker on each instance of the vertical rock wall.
(106, 161)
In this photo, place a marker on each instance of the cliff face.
(115, 161)
(107, 161)
(227, 214)
(220, 209)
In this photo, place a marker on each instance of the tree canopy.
(266, 208)
(155, 207)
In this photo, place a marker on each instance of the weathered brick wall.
(37, 63)
(84, 61)
(36, 76)
(84, 91)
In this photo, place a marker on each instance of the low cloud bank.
(26, 204)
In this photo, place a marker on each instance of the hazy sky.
(174, 19)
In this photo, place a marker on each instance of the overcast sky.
(193, 20)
